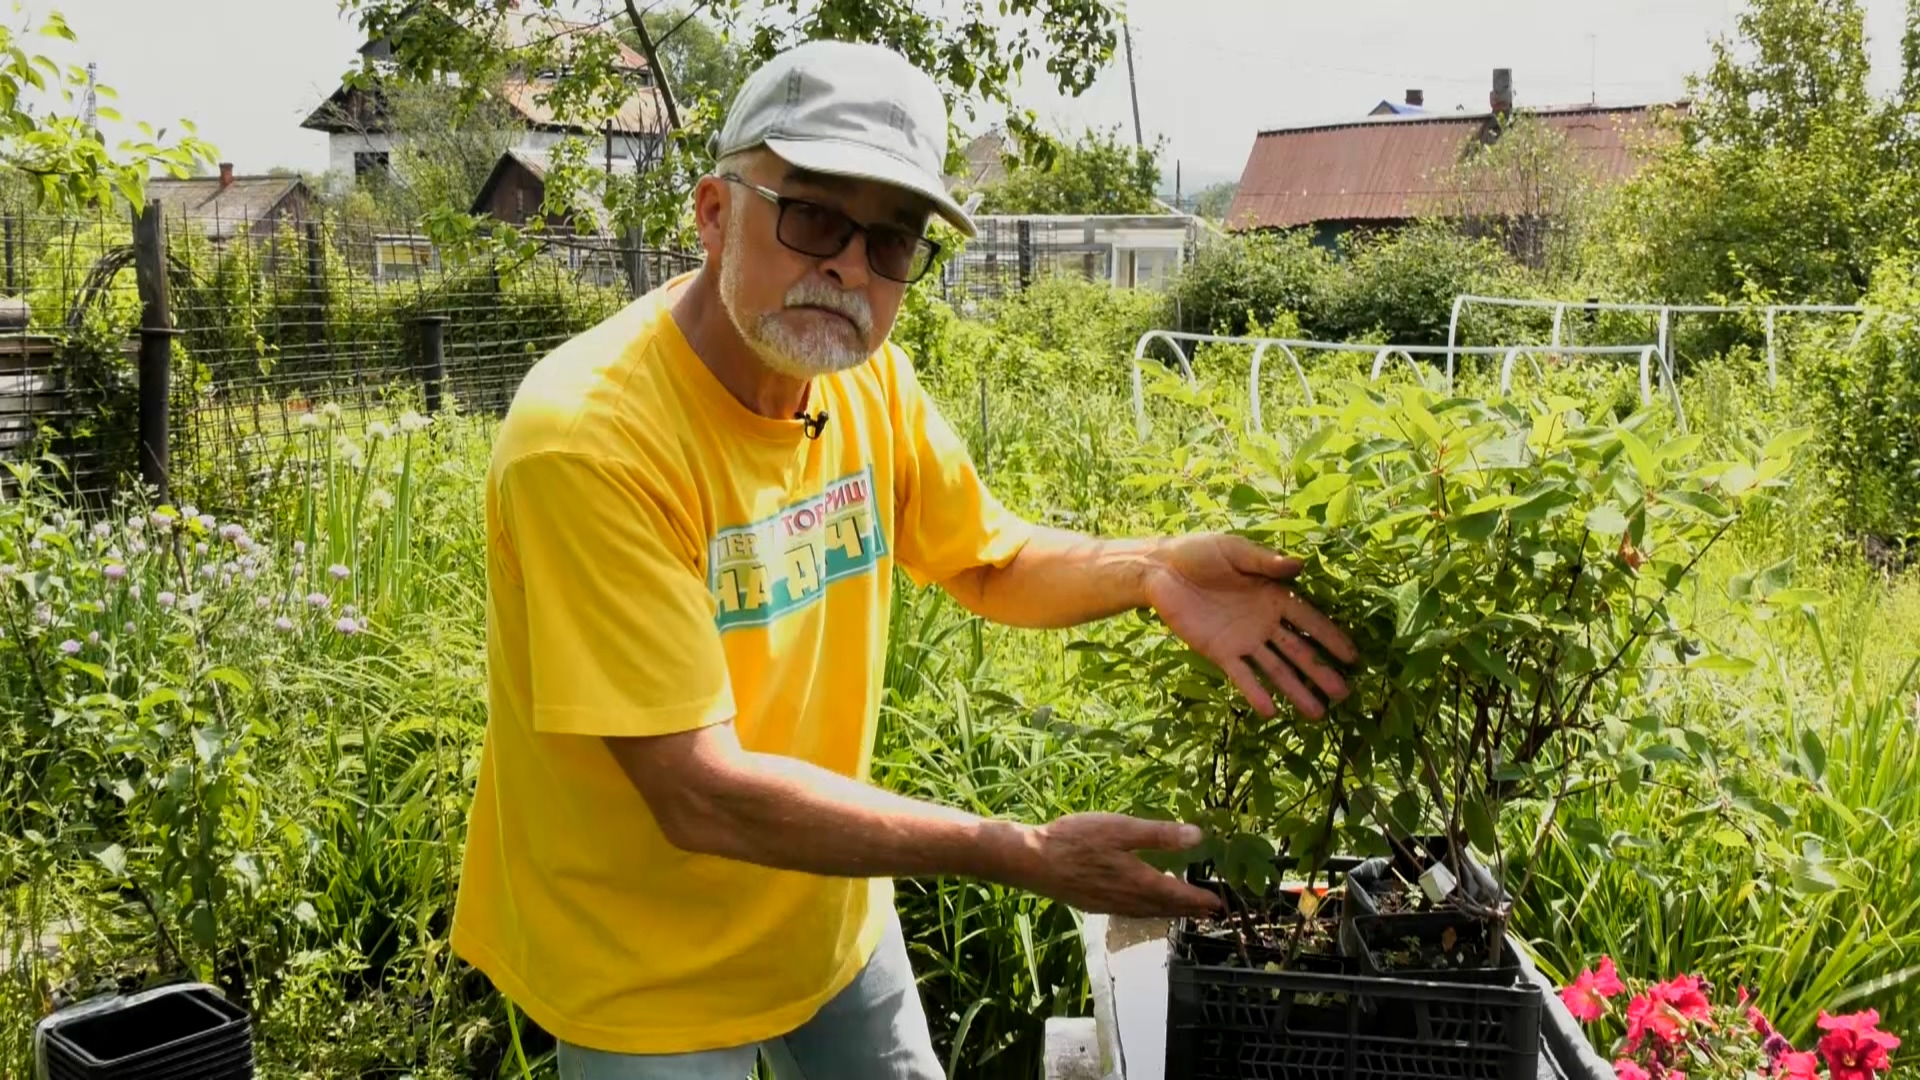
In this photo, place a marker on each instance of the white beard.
(820, 348)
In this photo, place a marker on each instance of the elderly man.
(675, 860)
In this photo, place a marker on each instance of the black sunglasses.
(822, 232)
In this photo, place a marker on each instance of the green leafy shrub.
(1865, 401)
(1515, 577)
(1249, 278)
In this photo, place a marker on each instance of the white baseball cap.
(847, 109)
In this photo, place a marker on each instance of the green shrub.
(1865, 401)
(1249, 278)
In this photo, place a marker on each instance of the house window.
(367, 162)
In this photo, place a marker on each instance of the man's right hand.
(1088, 861)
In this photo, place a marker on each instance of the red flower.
(1648, 1013)
(1586, 998)
(1687, 995)
(1854, 1047)
(1607, 983)
(1799, 1065)
(1759, 1021)
(1627, 1070)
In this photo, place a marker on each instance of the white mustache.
(851, 304)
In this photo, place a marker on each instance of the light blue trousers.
(875, 1029)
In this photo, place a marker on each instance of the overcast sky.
(1211, 73)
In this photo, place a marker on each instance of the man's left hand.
(1230, 599)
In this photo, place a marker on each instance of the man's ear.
(710, 213)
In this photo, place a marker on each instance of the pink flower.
(1688, 996)
(283, 624)
(339, 572)
(1627, 1070)
(1583, 999)
(1799, 1065)
(230, 531)
(347, 625)
(115, 571)
(1854, 1047)
(319, 600)
(1607, 982)
(70, 647)
(166, 599)
(93, 638)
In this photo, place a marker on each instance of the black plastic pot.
(1367, 938)
(185, 1032)
(1232, 1023)
(1409, 861)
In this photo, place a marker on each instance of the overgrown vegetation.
(240, 746)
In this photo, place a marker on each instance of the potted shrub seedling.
(1513, 574)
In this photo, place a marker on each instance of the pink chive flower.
(231, 532)
(115, 571)
(70, 647)
(347, 626)
(299, 547)
(339, 572)
(165, 599)
(283, 624)
(93, 638)
(319, 600)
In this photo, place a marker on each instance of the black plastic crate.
(188, 1032)
(1231, 1023)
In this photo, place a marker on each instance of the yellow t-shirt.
(660, 558)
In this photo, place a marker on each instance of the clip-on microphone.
(813, 425)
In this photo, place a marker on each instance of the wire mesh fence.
(1008, 254)
(268, 327)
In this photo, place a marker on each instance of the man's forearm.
(1059, 579)
(789, 814)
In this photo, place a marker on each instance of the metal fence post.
(986, 433)
(156, 344)
(1025, 245)
(433, 358)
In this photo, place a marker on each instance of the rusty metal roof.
(1388, 168)
(222, 210)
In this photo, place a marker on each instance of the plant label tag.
(1438, 882)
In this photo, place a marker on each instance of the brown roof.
(348, 111)
(640, 114)
(1389, 168)
(221, 212)
(985, 164)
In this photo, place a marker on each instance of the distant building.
(986, 165)
(221, 207)
(360, 139)
(1386, 170)
(1415, 105)
(516, 190)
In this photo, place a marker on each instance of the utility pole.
(1132, 86)
(1593, 69)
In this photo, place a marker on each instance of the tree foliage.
(973, 53)
(1526, 186)
(1215, 200)
(1787, 178)
(1098, 174)
(67, 163)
